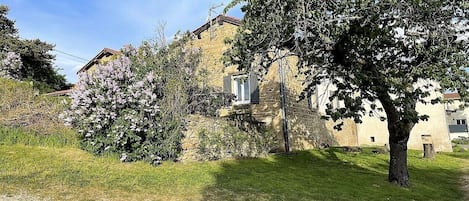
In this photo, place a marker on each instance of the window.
(313, 101)
(243, 86)
(460, 121)
(372, 138)
(241, 89)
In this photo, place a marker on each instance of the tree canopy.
(36, 60)
(393, 53)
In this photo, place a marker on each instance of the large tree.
(35, 56)
(393, 53)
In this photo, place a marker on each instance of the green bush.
(461, 140)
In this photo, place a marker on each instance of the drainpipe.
(281, 72)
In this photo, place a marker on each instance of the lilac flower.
(10, 65)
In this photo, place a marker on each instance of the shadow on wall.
(306, 129)
(326, 175)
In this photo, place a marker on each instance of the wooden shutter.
(227, 84)
(254, 88)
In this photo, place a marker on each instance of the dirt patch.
(22, 196)
(464, 183)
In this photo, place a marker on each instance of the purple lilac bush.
(116, 112)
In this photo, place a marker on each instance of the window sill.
(242, 103)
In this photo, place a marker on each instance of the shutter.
(227, 84)
(254, 88)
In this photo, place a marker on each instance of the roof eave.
(100, 55)
(219, 19)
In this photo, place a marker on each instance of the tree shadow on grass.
(461, 155)
(325, 175)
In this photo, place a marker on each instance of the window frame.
(242, 93)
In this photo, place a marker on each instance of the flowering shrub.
(117, 112)
(10, 65)
(136, 105)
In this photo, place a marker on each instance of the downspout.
(281, 72)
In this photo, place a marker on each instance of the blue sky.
(82, 28)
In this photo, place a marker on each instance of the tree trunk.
(399, 132)
(399, 126)
(428, 151)
(398, 171)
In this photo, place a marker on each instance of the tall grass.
(28, 118)
(22, 106)
(22, 136)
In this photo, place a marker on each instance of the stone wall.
(306, 129)
(208, 138)
(212, 45)
(190, 142)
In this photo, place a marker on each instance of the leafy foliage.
(116, 111)
(389, 53)
(136, 104)
(461, 140)
(35, 61)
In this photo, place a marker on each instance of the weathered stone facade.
(305, 128)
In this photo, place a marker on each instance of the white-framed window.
(241, 89)
(313, 101)
(244, 87)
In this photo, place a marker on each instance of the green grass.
(70, 173)
(60, 138)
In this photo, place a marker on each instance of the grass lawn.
(68, 173)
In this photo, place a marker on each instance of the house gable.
(102, 55)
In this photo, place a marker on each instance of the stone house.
(273, 101)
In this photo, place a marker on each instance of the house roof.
(220, 19)
(451, 96)
(60, 93)
(94, 60)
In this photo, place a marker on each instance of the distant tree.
(7, 26)
(392, 52)
(35, 56)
